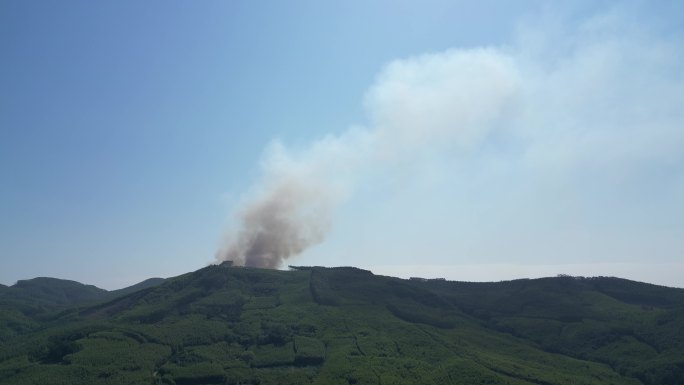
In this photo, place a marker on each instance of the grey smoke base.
(283, 222)
(270, 235)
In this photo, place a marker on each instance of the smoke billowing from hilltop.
(585, 102)
(415, 104)
(275, 226)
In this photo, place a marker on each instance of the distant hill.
(28, 304)
(138, 286)
(52, 291)
(313, 325)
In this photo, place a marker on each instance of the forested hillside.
(312, 325)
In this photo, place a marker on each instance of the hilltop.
(315, 325)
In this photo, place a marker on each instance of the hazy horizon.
(494, 273)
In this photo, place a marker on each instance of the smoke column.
(569, 104)
(447, 98)
(282, 222)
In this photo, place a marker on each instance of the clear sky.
(478, 140)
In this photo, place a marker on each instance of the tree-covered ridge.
(312, 325)
(52, 291)
(28, 303)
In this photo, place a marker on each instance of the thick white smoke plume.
(418, 103)
(604, 92)
(291, 207)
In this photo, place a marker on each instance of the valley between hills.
(315, 325)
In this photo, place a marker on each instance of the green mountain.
(137, 287)
(52, 291)
(314, 325)
(25, 305)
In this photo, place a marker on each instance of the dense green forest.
(314, 325)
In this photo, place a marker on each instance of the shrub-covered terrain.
(312, 325)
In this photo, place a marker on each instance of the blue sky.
(135, 135)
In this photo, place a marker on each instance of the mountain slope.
(151, 282)
(223, 325)
(52, 291)
(28, 303)
(635, 328)
(24, 304)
